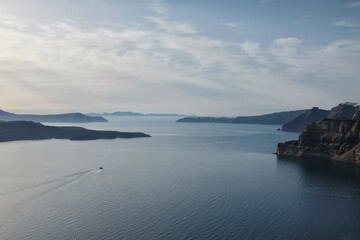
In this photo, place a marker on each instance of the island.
(277, 118)
(67, 117)
(331, 138)
(28, 130)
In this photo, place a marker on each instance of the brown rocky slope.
(335, 139)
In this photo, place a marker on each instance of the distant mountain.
(27, 130)
(278, 118)
(135, 114)
(68, 117)
(343, 110)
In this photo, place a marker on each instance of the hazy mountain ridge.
(135, 114)
(28, 130)
(277, 118)
(67, 117)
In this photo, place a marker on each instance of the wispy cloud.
(238, 26)
(170, 26)
(169, 66)
(268, 1)
(354, 4)
(234, 24)
(11, 21)
(346, 23)
(158, 6)
(112, 24)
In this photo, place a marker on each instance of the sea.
(188, 181)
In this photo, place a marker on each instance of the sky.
(204, 57)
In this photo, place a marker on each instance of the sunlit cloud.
(57, 64)
(11, 21)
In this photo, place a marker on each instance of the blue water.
(189, 181)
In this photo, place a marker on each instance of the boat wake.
(64, 181)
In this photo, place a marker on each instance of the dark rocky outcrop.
(273, 118)
(335, 139)
(343, 110)
(67, 117)
(27, 130)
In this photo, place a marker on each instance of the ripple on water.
(332, 191)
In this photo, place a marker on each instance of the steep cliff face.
(299, 123)
(335, 139)
(343, 110)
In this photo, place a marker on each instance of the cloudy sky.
(204, 57)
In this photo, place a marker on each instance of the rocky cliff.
(335, 139)
(343, 110)
(299, 123)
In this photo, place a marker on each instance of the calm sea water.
(189, 181)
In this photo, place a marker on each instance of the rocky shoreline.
(334, 139)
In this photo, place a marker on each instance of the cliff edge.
(343, 110)
(334, 139)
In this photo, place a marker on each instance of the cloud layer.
(167, 67)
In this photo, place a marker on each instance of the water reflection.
(320, 172)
